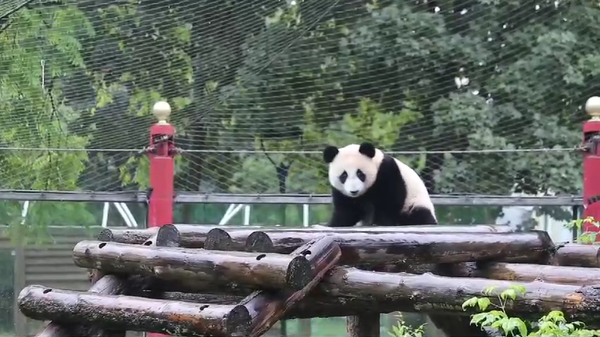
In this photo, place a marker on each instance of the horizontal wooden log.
(577, 255)
(196, 267)
(191, 236)
(430, 293)
(235, 239)
(400, 251)
(266, 308)
(194, 236)
(134, 313)
(198, 298)
(523, 272)
(350, 291)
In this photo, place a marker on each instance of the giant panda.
(370, 187)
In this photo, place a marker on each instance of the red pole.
(162, 170)
(591, 165)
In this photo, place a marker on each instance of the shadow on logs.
(166, 236)
(398, 251)
(134, 313)
(200, 268)
(235, 238)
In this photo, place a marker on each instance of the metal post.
(591, 164)
(162, 170)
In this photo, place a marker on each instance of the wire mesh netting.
(479, 96)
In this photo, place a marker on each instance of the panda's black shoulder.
(388, 172)
(389, 191)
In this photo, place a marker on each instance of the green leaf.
(483, 303)
(477, 319)
(471, 302)
(509, 293)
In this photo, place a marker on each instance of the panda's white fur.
(417, 194)
(368, 185)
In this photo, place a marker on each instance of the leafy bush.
(585, 237)
(403, 330)
(494, 316)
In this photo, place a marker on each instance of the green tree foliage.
(442, 80)
(40, 47)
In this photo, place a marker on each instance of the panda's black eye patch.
(343, 177)
(361, 175)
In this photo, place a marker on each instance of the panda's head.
(353, 168)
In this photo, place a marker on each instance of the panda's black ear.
(367, 149)
(329, 153)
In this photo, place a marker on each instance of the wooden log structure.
(351, 292)
(268, 307)
(235, 238)
(134, 313)
(359, 291)
(577, 255)
(400, 251)
(276, 277)
(197, 268)
(102, 284)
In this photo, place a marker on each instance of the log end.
(28, 299)
(299, 273)
(545, 239)
(218, 239)
(106, 235)
(238, 322)
(259, 242)
(167, 236)
(323, 248)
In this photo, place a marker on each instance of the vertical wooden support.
(19, 283)
(365, 325)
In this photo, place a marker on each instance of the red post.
(591, 164)
(162, 170)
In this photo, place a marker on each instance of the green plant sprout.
(553, 324)
(585, 237)
(403, 330)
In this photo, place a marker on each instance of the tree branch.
(262, 147)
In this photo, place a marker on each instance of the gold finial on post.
(592, 107)
(162, 111)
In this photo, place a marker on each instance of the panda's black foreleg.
(344, 218)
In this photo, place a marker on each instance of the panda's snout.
(354, 192)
